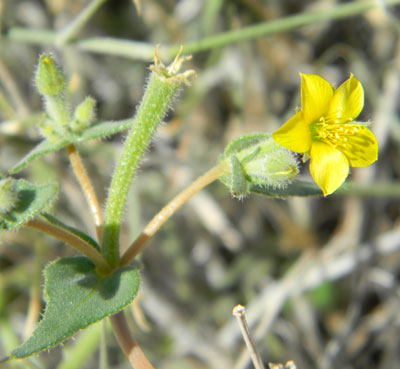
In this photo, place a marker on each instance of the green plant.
(104, 281)
(83, 290)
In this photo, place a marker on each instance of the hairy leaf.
(99, 130)
(77, 297)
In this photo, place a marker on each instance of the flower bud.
(257, 159)
(8, 195)
(49, 78)
(84, 115)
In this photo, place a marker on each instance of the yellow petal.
(294, 134)
(316, 94)
(361, 148)
(348, 100)
(329, 167)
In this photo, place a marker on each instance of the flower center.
(333, 132)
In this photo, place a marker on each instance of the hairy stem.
(72, 240)
(168, 210)
(163, 85)
(87, 188)
(132, 350)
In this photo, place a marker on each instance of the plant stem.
(239, 312)
(87, 188)
(136, 50)
(73, 240)
(143, 51)
(162, 87)
(168, 210)
(132, 350)
(284, 24)
(72, 30)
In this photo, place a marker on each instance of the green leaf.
(99, 130)
(104, 129)
(43, 148)
(53, 220)
(296, 188)
(31, 200)
(77, 297)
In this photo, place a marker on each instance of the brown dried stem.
(132, 350)
(239, 312)
(168, 210)
(87, 188)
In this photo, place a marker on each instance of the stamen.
(333, 130)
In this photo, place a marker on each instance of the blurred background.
(318, 276)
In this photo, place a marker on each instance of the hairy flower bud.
(84, 115)
(8, 195)
(257, 159)
(49, 78)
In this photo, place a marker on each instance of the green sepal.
(239, 185)
(77, 297)
(296, 188)
(256, 159)
(54, 221)
(31, 201)
(242, 143)
(99, 130)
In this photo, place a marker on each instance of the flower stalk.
(132, 350)
(170, 209)
(87, 188)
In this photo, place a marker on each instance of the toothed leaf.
(77, 297)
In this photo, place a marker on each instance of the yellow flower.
(324, 129)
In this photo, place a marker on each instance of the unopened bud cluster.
(59, 121)
(8, 195)
(257, 159)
